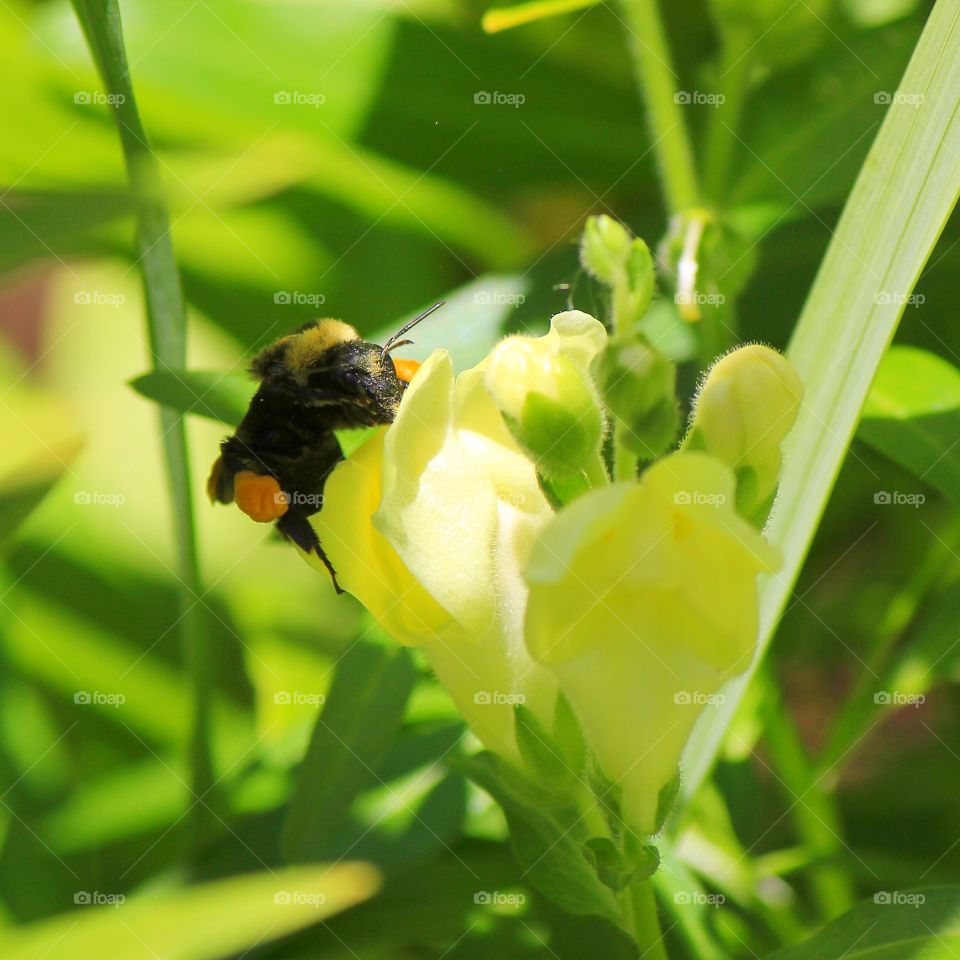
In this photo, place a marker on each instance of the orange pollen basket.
(259, 497)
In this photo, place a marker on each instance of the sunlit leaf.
(196, 923)
(912, 416)
(923, 924)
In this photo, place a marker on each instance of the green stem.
(595, 471)
(624, 462)
(657, 81)
(724, 122)
(640, 907)
(813, 810)
(166, 329)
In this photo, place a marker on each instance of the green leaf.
(902, 199)
(204, 393)
(922, 924)
(912, 416)
(196, 923)
(354, 732)
(411, 822)
(545, 842)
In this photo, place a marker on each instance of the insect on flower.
(318, 379)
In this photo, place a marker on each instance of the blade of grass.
(166, 328)
(906, 190)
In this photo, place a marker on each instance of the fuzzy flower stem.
(658, 86)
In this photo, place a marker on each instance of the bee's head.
(327, 364)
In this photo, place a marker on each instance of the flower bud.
(543, 388)
(638, 385)
(604, 248)
(622, 262)
(746, 406)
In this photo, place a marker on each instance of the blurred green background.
(338, 159)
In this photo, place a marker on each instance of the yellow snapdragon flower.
(643, 602)
(637, 600)
(428, 525)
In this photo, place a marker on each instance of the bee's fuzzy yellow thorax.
(305, 347)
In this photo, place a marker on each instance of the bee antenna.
(395, 341)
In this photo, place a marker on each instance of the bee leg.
(296, 527)
(326, 562)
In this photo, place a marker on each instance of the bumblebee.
(320, 378)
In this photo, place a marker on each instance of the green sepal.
(611, 866)
(547, 840)
(541, 754)
(608, 797)
(617, 868)
(568, 735)
(560, 441)
(667, 800)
